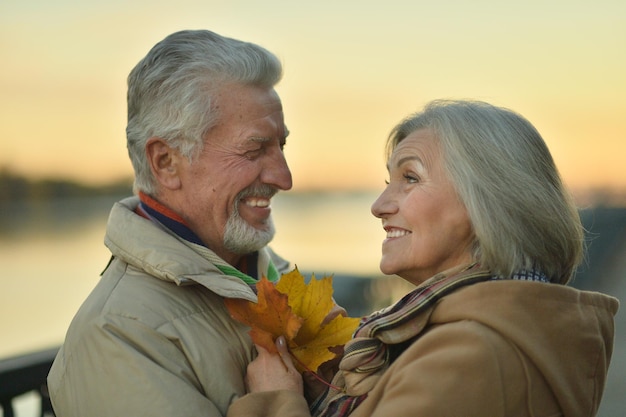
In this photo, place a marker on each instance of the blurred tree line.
(15, 187)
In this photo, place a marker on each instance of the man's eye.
(253, 154)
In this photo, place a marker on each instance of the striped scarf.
(381, 337)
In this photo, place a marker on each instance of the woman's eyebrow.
(406, 159)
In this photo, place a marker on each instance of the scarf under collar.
(382, 336)
(256, 264)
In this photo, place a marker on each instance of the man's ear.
(164, 162)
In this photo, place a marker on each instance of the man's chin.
(251, 241)
(242, 237)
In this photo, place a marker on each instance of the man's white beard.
(241, 238)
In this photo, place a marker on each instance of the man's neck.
(153, 209)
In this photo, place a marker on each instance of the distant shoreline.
(15, 187)
(18, 187)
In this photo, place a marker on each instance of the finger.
(281, 345)
(340, 311)
(283, 351)
(335, 311)
(260, 349)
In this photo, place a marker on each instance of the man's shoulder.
(130, 292)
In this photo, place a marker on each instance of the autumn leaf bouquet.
(298, 311)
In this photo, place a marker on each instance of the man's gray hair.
(171, 91)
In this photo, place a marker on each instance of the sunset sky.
(352, 70)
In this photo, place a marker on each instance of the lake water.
(51, 256)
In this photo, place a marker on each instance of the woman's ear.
(164, 163)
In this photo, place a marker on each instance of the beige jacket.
(153, 338)
(496, 349)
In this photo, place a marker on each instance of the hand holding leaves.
(297, 311)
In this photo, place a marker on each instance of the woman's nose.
(384, 204)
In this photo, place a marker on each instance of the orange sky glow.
(352, 70)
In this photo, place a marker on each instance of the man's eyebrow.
(264, 139)
(259, 139)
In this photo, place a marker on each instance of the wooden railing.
(23, 374)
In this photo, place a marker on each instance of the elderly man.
(205, 135)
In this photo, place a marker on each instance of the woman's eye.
(411, 178)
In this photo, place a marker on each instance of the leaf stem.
(315, 375)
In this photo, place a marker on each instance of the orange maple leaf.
(297, 311)
(269, 318)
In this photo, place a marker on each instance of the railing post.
(25, 373)
(7, 407)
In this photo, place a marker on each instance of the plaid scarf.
(381, 337)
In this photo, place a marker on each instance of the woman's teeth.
(397, 233)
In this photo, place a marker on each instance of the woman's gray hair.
(171, 91)
(503, 172)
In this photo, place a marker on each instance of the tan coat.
(496, 349)
(153, 338)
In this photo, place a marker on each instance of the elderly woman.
(477, 218)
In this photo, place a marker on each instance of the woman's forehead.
(420, 146)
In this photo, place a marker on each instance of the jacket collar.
(153, 248)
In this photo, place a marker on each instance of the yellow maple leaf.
(296, 310)
(312, 302)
